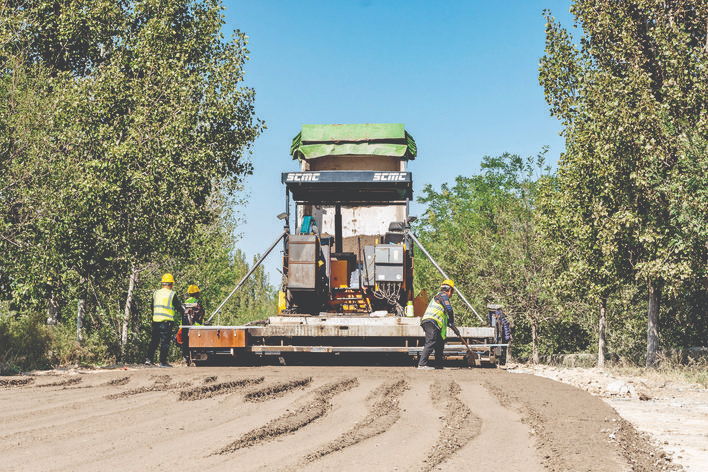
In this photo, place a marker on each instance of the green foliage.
(483, 233)
(129, 135)
(255, 300)
(216, 265)
(67, 350)
(25, 342)
(632, 96)
(121, 123)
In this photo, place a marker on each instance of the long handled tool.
(469, 349)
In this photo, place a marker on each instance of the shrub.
(25, 341)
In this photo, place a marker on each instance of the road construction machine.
(348, 259)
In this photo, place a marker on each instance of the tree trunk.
(53, 309)
(509, 356)
(601, 334)
(80, 319)
(534, 337)
(653, 323)
(126, 313)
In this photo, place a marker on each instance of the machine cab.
(347, 251)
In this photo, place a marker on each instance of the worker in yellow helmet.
(193, 310)
(165, 303)
(435, 321)
(193, 316)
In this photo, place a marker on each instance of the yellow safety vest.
(164, 310)
(438, 314)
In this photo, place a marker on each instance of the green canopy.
(376, 139)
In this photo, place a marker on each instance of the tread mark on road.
(63, 383)
(459, 427)
(270, 392)
(117, 382)
(213, 389)
(383, 414)
(161, 384)
(21, 382)
(294, 420)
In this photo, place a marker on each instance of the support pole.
(282, 235)
(338, 229)
(410, 233)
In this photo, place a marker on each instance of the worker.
(165, 303)
(505, 329)
(193, 316)
(193, 309)
(435, 321)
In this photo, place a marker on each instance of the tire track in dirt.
(383, 414)
(116, 382)
(270, 392)
(16, 382)
(534, 419)
(292, 421)
(212, 389)
(459, 427)
(62, 383)
(161, 383)
(111, 383)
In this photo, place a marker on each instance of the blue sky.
(461, 75)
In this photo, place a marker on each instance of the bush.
(25, 341)
(66, 350)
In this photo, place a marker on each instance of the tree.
(483, 232)
(632, 97)
(142, 118)
(584, 269)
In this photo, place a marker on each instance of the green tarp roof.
(377, 139)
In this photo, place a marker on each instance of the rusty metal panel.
(217, 337)
(340, 275)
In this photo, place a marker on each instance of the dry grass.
(670, 368)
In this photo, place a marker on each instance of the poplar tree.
(632, 96)
(120, 120)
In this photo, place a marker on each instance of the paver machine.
(348, 257)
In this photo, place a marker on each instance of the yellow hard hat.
(193, 289)
(168, 279)
(448, 282)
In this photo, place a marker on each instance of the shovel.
(472, 355)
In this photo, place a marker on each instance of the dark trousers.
(185, 342)
(161, 333)
(433, 341)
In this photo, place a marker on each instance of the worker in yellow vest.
(165, 303)
(435, 321)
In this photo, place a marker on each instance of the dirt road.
(311, 419)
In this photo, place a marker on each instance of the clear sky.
(461, 75)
